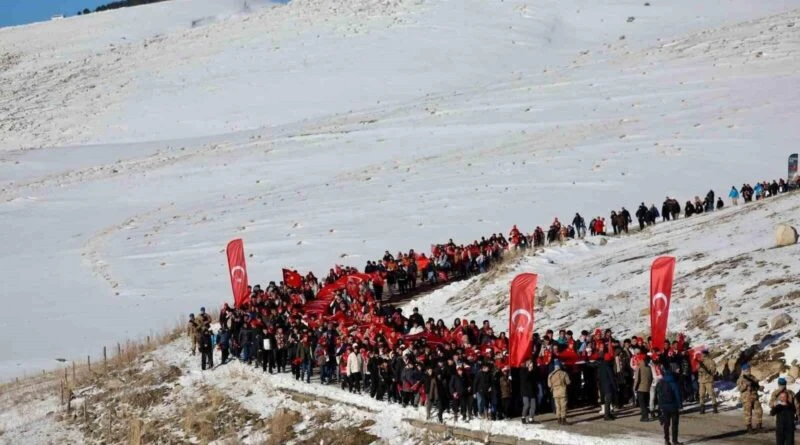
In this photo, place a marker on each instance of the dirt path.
(724, 428)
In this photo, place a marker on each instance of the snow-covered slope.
(326, 131)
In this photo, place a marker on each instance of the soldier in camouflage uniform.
(558, 381)
(705, 375)
(749, 387)
(193, 332)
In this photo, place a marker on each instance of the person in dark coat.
(206, 349)
(669, 401)
(528, 388)
(224, 342)
(483, 388)
(608, 386)
(784, 412)
(460, 392)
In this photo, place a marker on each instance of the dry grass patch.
(351, 435)
(322, 416)
(215, 417)
(281, 426)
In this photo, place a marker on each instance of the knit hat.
(745, 367)
(781, 381)
(557, 363)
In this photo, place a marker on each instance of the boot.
(716, 411)
(702, 409)
(524, 420)
(531, 420)
(758, 428)
(749, 429)
(564, 422)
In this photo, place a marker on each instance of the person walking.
(748, 388)
(734, 195)
(784, 412)
(355, 369)
(206, 349)
(705, 376)
(558, 381)
(669, 400)
(528, 389)
(642, 381)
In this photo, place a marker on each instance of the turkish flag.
(661, 275)
(520, 327)
(292, 279)
(238, 272)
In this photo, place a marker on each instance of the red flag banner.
(292, 279)
(661, 275)
(237, 269)
(520, 328)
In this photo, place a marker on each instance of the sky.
(19, 12)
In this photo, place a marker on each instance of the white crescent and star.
(660, 310)
(234, 269)
(526, 314)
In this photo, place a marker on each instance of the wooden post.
(89, 362)
(105, 359)
(85, 414)
(148, 340)
(119, 350)
(69, 401)
(62, 390)
(73, 372)
(66, 376)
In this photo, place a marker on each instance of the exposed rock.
(785, 235)
(603, 241)
(780, 321)
(741, 326)
(551, 300)
(794, 372)
(766, 370)
(644, 312)
(593, 312)
(762, 324)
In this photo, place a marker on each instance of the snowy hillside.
(325, 131)
(161, 395)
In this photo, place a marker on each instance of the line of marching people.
(368, 346)
(462, 369)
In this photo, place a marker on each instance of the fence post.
(89, 362)
(119, 350)
(66, 376)
(62, 390)
(105, 359)
(73, 372)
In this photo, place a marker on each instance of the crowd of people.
(343, 330)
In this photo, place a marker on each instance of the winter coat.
(482, 383)
(734, 194)
(505, 387)
(458, 386)
(748, 386)
(784, 416)
(706, 371)
(668, 394)
(558, 381)
(605, 377)
(644, 378)
(410, 378)
(355, 363)
(206, 341)
(528, 383)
